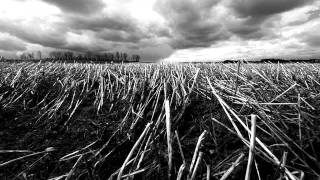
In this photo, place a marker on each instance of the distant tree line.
(275, 60)
(88, 56)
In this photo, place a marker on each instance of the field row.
(158, 121)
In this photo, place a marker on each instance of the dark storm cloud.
(256, 8)
(196, 23)
(10, 44)
(248, 32)
(251, 28)
(100, 22)
(78, 6)
(191, 23)
(118, 28)
(242, 29)
(255, 19)
(34, 34)
(110, 32)
(199, 40)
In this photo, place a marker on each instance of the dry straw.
(252, 146)
(145, 131)
(169, 140)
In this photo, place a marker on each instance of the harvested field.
(159, 121)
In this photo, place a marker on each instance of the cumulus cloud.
(192, 23)
(251, 28)
(78, 6)
(109, 27)
(76, 28)
(197, 24)
(34, 33)
(258, 19)
(308, 16)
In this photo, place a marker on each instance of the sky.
(163, 30)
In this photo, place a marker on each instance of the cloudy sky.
(170, 30)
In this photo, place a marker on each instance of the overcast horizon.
(169, 30)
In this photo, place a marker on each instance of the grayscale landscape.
(160, 89)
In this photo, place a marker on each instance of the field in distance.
(158, 121)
